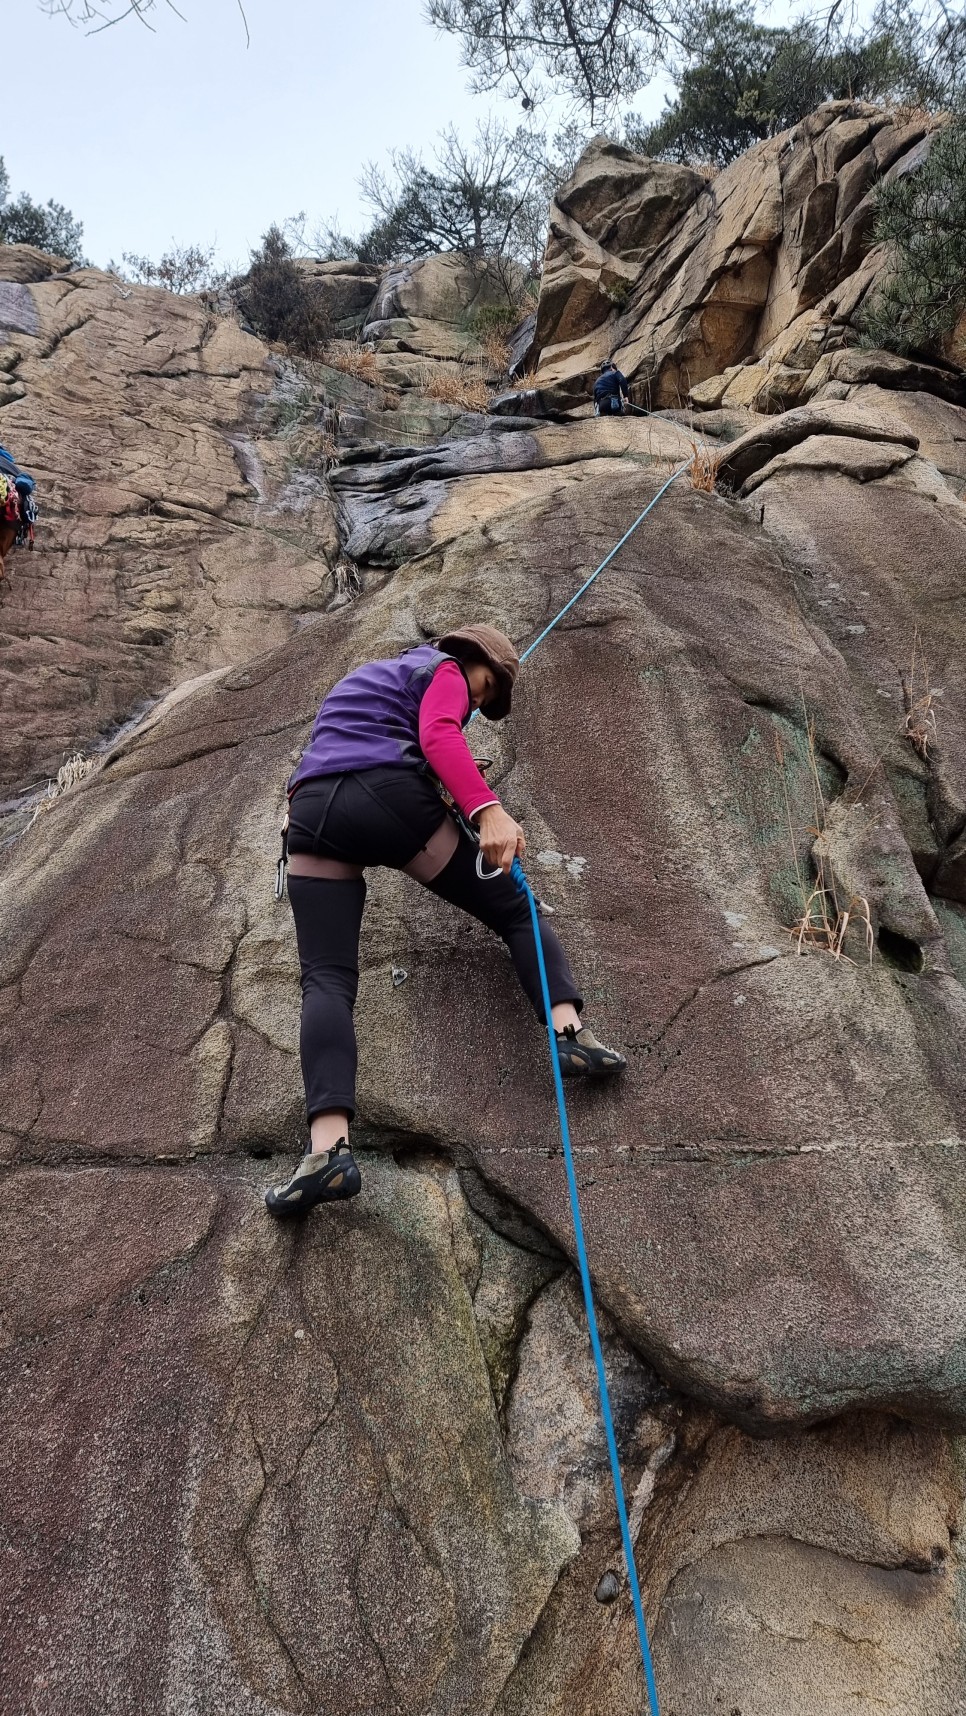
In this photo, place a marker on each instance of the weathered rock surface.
(729, 290)
(345, 290)
(705, 1007)
(750, 453)
(358, 1466)
(423, 323)
(257, 1503)
(605, 226)
(435, 289)
(406, 501)
(23, 263)
(170, 542)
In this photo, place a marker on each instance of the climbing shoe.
(581, 1055)
(323, 1178)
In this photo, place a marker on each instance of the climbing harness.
(519, 877)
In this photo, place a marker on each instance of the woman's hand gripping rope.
(501, 839)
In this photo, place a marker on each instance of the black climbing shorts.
(385, 816)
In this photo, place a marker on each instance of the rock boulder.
(766, 265)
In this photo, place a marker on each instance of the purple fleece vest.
(371, 717)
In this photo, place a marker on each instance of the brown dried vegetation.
(824, 917)
(703, 469)
(354, 360)
(464, 386)
(919, 726)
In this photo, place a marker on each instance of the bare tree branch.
(599, 52)
(96, 15)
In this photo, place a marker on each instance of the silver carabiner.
(486, 875)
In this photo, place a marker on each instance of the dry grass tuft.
(77, 768)
(346, 579)
(913, 113)
(496, 351)
(465, 387)
(70, 774)
(824, 922)
(703, 469)
(824, 918)
(357, 361)
(919, 726)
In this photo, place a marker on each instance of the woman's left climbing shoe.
(323, 1178)
(582, 1056)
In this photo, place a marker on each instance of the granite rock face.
(24, 263)
(358, 1465)
(606, 225)
(727, 291)
(170, 541)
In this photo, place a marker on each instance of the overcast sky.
(186, 134)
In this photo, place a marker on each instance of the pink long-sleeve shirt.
(442, 712)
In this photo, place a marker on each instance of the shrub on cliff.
(923, 218)
(49, 225)
(185, 268)
(279, 299)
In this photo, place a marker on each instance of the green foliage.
(618, 291)
(49, 225)
(498, 319)
(279, 299)
(183, 268)
(597, 53)
(740, 81)
(931, 41)
(487, 201)
(922, 216)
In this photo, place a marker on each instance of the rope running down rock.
(519, 877)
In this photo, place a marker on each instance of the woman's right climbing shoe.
(318, 1179)
(582, 1056)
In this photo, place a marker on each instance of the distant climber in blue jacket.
(610, 390)
(18, 509)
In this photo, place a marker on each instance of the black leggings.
(385, 816)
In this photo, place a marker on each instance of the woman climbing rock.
(364, 793)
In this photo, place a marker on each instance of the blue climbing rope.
(605, 563)
(585, 586)
(519, 877)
